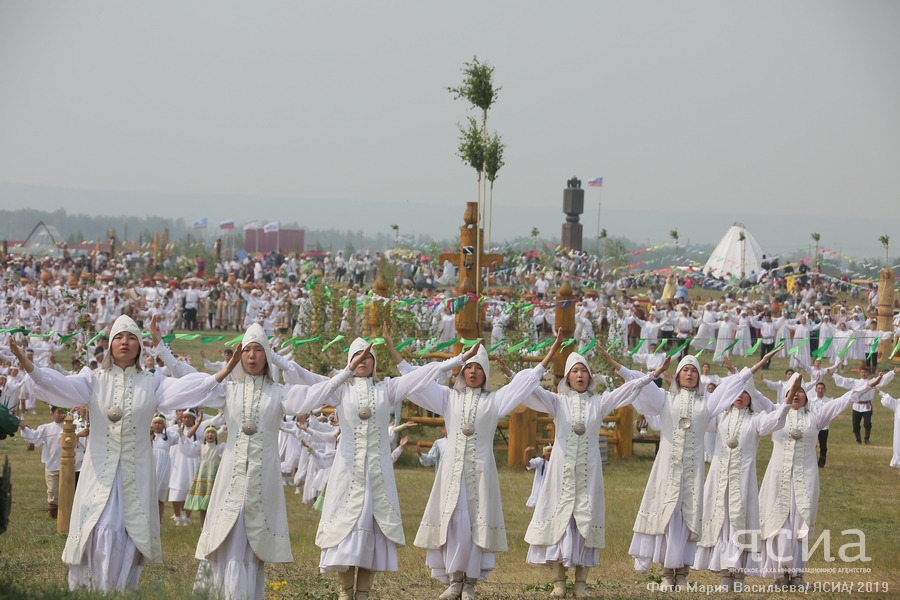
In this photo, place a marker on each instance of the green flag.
(209, 340)
(307, 341)
(497, 345)
(796, 349)
(405, 344)
(427, 347)
(517, 347)
(754, 348)
(469, 343)
(844, 351)
(730, 346)
(636, 348)
(589, 347)
(679, 348)
(166, 338)
(235, 341)
(874, 347)
(820, 351)
(894, 351)
(446, 344)
(332, 342)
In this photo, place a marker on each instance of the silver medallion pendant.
(684, 423)
(114, 414)
(732, 442)
(796, 434)
(468, 429)
(249, 427)
(365, 413)
(578, 429)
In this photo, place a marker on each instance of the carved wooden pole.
(885, 311)
(67, 441)
(565, 324)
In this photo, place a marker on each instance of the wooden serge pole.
(66, 492)
(885, 311)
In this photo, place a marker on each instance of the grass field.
(858, 491)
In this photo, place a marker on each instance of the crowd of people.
(139, 410)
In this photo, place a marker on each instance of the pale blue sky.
(742, 108)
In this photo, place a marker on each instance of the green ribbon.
(332, 342)
(497, 345)
(722, 353)
(18, 330)
(307, 341)
(589, 347)
(427, 347)
(894, 351)
(820, 351)
(469, 343)
(614, 344)
(517, 347)
(95, 338)
(209, 340)
(754, 348)
(166, 338)
(289, 340)
(796, 349)
(234, 341)
(844, 351)
(874, 347)
(186, 336)
(568, 342)
(405, 344)
(636, 348)
(65, 338)
(42, 335)
(679, 348)
(443, 345)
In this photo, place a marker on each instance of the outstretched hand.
(796, 383)
(155, 333)
(876, 381)
(386, 335)
(471, 351)
(662, 368)
(553, 349)
(764, 360)
(231, 364)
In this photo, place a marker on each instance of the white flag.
(271, 227)
(251, 225)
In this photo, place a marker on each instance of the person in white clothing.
(360, 528)
(668, 524)
(111, 535)
(539, 465)
(862, 408)
(47, 435)
(731, 493)
(818, 401)
(893, 404)
(462, 526)
(567, 529)
(789, 495)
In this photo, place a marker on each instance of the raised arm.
(830, 410)
(772, 421)
(651, 400)
(732, 386)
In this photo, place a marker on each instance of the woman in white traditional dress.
(114, 529)
(183, 466)
(462, 526)
(893, 404)
(667, 526)
(567, 529)
(724, 336)
(360, 528)
(789, 495)
(731, 493)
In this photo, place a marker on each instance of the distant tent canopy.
(734, 256)
(41, 241)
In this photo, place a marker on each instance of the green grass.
(858, 491)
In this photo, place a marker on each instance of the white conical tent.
(733, 256)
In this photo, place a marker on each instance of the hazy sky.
(743, 108)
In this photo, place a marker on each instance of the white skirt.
(162, 473)
(569, 550)
(177, 495)
(232, 571)
(460, 553)
(365, 547)
(672, 549)
(110, 561)
(781, 555)
(709, 445)
(726, 554)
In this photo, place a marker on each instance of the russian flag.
(597, 182)
(229, 224)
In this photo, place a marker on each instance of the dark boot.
(821, 462)
(868, 433)
(858, 439)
